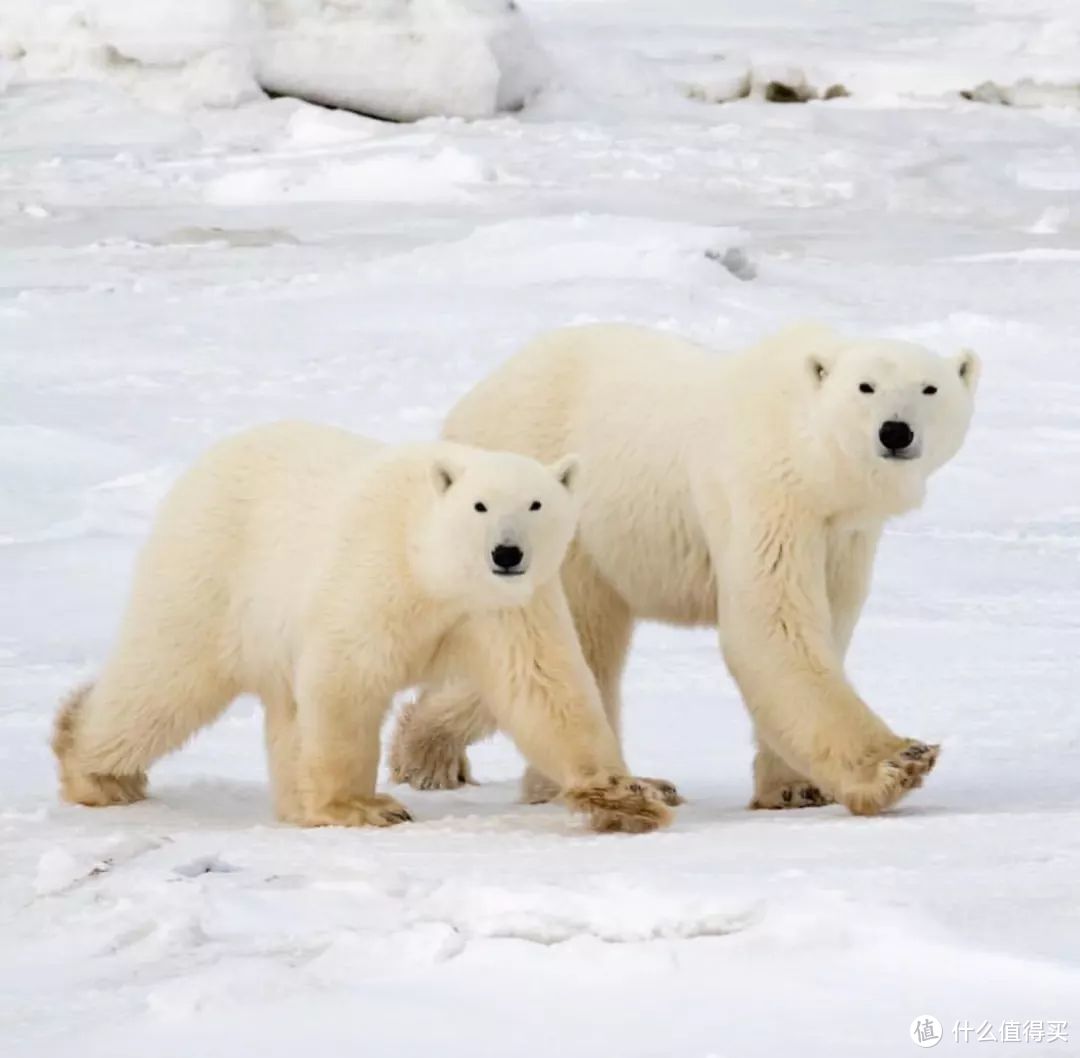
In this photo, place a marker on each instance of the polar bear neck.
(859, 494)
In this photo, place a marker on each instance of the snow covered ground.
(395, 59)
(167, 278)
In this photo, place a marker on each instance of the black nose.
(895, 435)
(507, 556)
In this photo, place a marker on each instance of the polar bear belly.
(655, 557)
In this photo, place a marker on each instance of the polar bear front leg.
(605, 626)
(283, 751)
(339, 715)
(778, 640)
(542, 693)
(848, 567)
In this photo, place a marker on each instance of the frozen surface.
(397, 59)
(167, 278)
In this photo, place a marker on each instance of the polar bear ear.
(968, 367)
(565, 472)
(443, 475)
(818, 368)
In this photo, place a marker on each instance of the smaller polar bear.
(324, 572)
(747, 492)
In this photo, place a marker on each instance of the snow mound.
(399, 60)
(170, 54)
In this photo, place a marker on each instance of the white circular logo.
(926, 1031)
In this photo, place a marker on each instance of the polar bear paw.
(538, 789)
(668, 791)
(898, 771)
(377, 811)
(100, 791)
(800, 794)
(442, 766)
(620, 804)
(425, 758)
(80, 782)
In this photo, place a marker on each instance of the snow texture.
(395, 59)
(166, 277)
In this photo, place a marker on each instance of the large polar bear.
(747, 491)
(324, 572)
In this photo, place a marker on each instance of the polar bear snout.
(507, 560)
(898, 440)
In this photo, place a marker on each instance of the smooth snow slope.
(164, 279)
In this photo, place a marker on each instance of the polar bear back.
(240, 537)
(552, 386)
(273, 488)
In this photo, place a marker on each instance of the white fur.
(324, 572)
(746, 491)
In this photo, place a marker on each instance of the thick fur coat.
(746, 492)
(324, 572)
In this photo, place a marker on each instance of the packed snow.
(395, 59)
(171, 273)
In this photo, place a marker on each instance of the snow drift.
(396, 59)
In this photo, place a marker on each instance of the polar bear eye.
(479, 507)
(865, 387)
(535, 505)
(929, 390)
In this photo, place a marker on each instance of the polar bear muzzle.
(507, 560)
(898, 440)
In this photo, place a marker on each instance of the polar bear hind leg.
(433, 733)
(78, 785)
(777, 785)
(151, 698)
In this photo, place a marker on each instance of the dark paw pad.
(667, 791)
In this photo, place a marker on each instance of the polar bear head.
(888, 413)
(498, 527)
